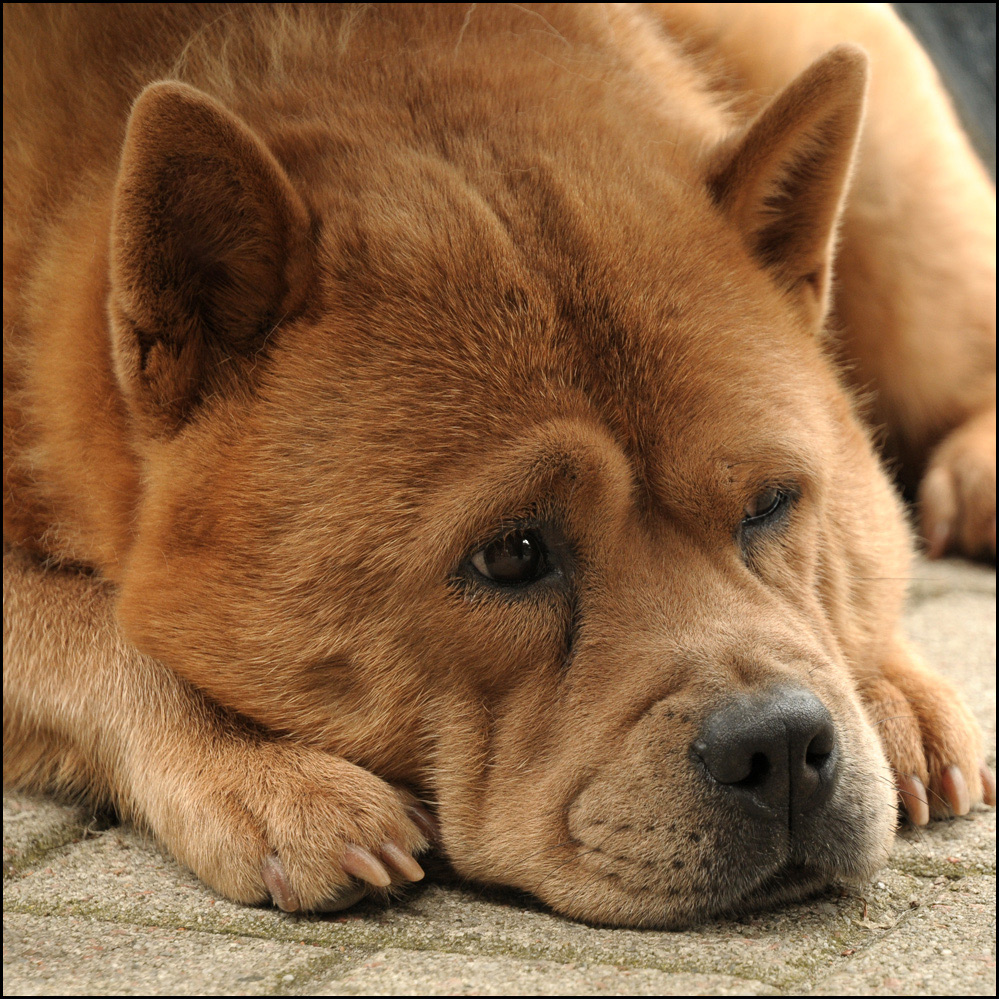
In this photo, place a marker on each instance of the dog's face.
(544, 500)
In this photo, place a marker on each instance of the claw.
(938, 540)
(276, 880)
(401, 862)
(955, 790)
(938, 506)
(426, 822)
(914, 798)
(365, 866)
(988, 786)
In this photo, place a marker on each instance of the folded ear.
(784, 180)
(208, 252)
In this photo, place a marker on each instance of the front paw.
(280, 822)
(932, 742)
(957, 497)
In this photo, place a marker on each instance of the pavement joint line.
(804, 965)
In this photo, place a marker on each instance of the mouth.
(612, 901)
(791, 883)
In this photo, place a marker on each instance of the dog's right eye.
(765, 506)
(515, 559)
(766, 512)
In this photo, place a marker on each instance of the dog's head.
(507, 461)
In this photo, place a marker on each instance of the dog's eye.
(764, 506)
(513, 560)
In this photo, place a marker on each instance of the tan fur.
(306, 307)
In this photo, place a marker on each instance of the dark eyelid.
(780, 497)
(772, 519)
(534, 555)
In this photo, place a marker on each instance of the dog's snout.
(774, 752)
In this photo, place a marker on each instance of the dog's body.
(442, 395)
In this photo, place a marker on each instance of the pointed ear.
(783, 181)
(208, 252)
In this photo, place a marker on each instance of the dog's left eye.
(764, 506)
(515, 559)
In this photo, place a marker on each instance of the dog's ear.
(783, 181)
(208, 252)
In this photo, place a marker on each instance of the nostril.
(820, 748)
(759, 772)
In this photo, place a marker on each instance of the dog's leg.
(929, 737)
(256, 817)
(915, 296)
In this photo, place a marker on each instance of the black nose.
(774, 752)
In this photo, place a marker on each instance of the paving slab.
(93, 909)
(946, 946)
(85, 957)
(392, 972)
(33, 827)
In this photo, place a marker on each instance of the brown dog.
(439, 397)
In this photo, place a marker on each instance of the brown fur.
(306, 307)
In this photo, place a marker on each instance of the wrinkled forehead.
(478, 309)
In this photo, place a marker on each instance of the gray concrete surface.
(91, 910)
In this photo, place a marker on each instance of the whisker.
(887, 718)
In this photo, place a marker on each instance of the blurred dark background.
(961, 38)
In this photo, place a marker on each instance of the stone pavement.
(92, 910)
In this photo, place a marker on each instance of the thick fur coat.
(442, 423)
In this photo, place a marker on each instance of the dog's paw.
(293, 825)
(931, 740)
(957, 497)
